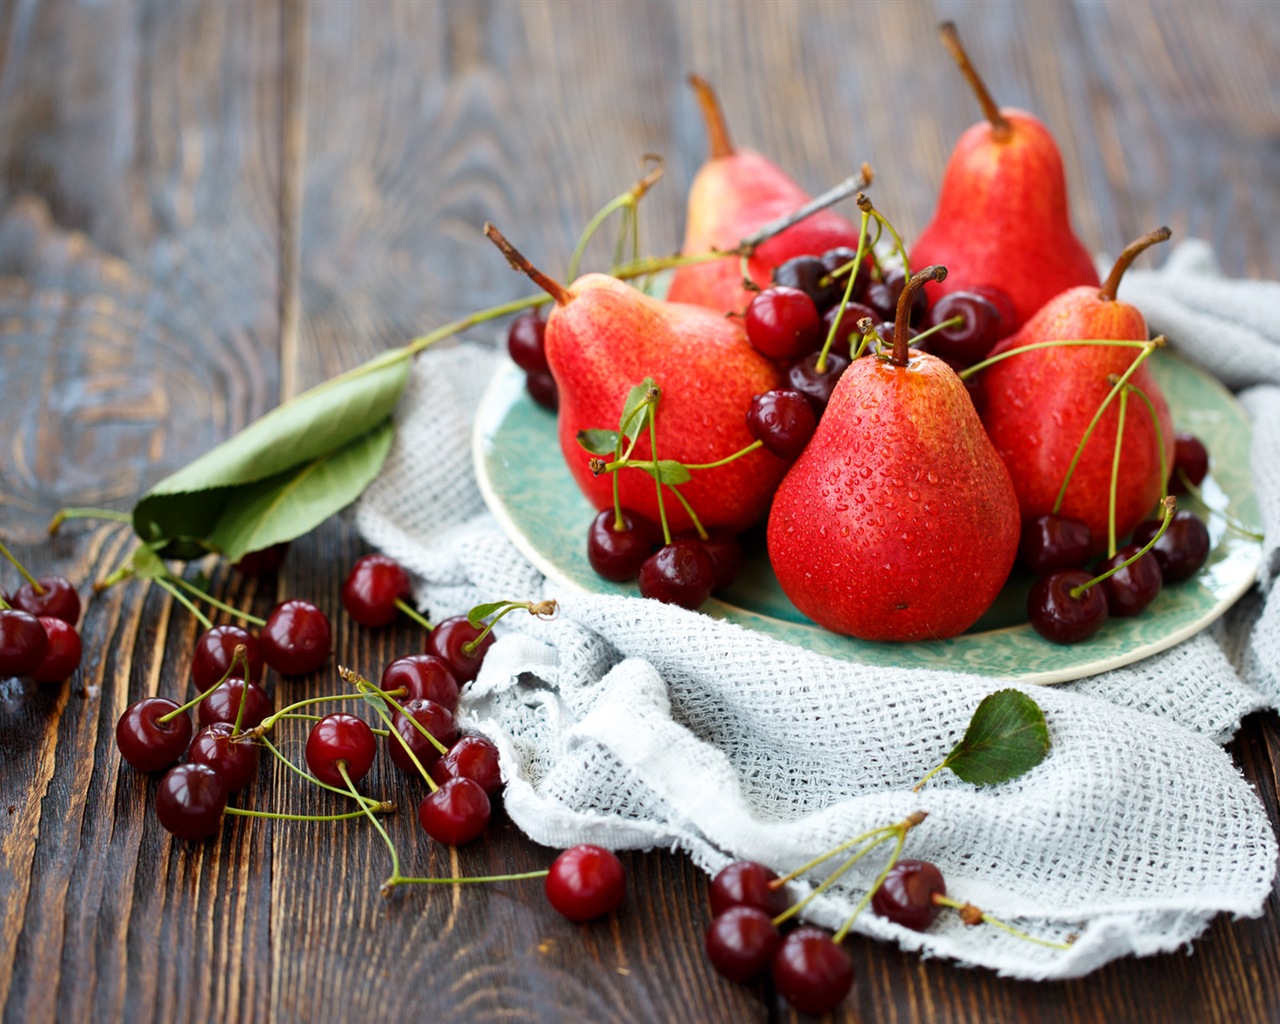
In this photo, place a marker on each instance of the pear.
(1002, 215)
(603, 337)
(1037, 405)
(899, 520)
(734, 193)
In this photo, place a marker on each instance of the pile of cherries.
(38, 635)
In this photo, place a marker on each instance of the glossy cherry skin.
(744, 883)
(62, 657)
(783, 323)
(1050, 543)
(848, 334)
(1191, 457)
(23, 643)
(680, 573)
(882, 296)
(423, 677)
(236, 760)
(213, 654)
(1181, 550)
(190, 801)
(742, 942)
(1134, 587)
(471, 757)
(224, 704)
(431, 716)
(726, 557)
(811, 972)
(543, 389)
(527, 342)
(783, 421)
(906, 896)
(968, 342)
(456, 813)
(1058, 616)
(372, 588)
(817, 387)
(618, 554)
(147, 743)
(58, 600)
(296, 639)
(834, 259)
(586, 881)
(340, 737)
(806, 274)
(264, 561)
(447, 641)
(999, 298)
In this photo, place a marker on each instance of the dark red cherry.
(1064, 618)
(811, 972)
(224, 704)
(725, 550)
(814, 385)
(783, 323)
(742, 942)
(1050, 543)
(23, 643)
(263, 562)
(806, 274)
(882, 296)
(423, 677)
(1134, 587)
(58, 599)
(586, 882)
(999, 298)
(543, 389)
(783, 421)
(431, 716)
(617, 553)
(213, 654)
(681, 573)
(1190, 459)
(340, 738)
(62, 657)
(471, 757)
(848, 334)
(527, 342)
(1181, 550)
(744, 883)
(190, 801)
(456, 813)
(968, 342)
(372, 588)
(448, 642)
(235, 759)
(886, 331)
(296, 639)
(906, 896)
(834, 259)
(147, 743)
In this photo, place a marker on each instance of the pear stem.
(901, 345)
(718, 143)
(1001, 129)
(1131, 253)
(1170, 506)
(518, 262)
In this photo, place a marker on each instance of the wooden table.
(213, 205)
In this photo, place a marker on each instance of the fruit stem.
(35, 584)
(901, 349)
(934, 771)
(968, 909)
(363, 685)
(518, 262)
(473, 880)
(753, 446)
(1001, 129)
(718, 144)
(1231, 521)
(850, 186)
(239, 656)
(268, 722)
(319, 718)
(365, 810)
(63, 514)
(538, 609)
(253, 620)
(182, 599)
(839, 936)
(821, 365)
(1170, 506)
(414, 614)
(393, 731)
(909, 822)
(955, 321)
(1131, 251)
(657, 482)
(626, 201)
(382, 807)
(457, 326)
(693, 516)
(1064, 343)
(870, 336)
(865, 205)
(829, 881)
(5, 605)
(1115, 473)
(311, 778)
(619, 523)
(1159, 431)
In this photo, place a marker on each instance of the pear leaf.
(599, 442)
(672, 472)
(1007, 737)
(637, 403)
(480, 612)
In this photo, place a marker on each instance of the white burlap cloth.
(633, 724)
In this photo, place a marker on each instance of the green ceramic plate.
(530, 491)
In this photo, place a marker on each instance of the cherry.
(23, 643)
(806, 274)
(1192, 458)
(586, 881)
(372, 588)
(848, 334)
(190, 801)
(970, 341)
(783, 421)
(264, 561)
(236, 760)
(744, 883)
(340, 737)
(906, 895)
(741, 942)
(447, 641)
(834, 259)
(811, 972)
(617, 554)
(783, 323)
(213, 654)
(432, 717)
(817, 387)
(999, 298)
(58, 599)
(1057, 615)
(423, 677)
(1181, 550)
(680, 573)
(455, 813)
(63, 654)
(296, 639)
(886, 328)
(527, 342)
(543, 389)
(147, 743)
(1050, 543)
(224, 704)
(1135, 586)
(882, 296)
(725, 550)
(472, 757)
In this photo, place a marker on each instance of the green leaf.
(636, 404)
(480, 612)
(374, 699)
(672, 472)
(599, 442)
(147, 565)
(1007, 737)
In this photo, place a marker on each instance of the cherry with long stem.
(1170, 506)
(364, 686)
(239, 656)
(310, 778)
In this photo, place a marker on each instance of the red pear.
(1002, 215)
(899, 520)
(736, 192)
(1036, 407)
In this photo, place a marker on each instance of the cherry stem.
(320, 718)
(865, 205)
(627, 201)
(830, 880)
(893, 859)
(1000, 126)
(930, 774)
(62, 515)
(955, 321)
(239, 656)
(311, 778)
(852, 185)
(718, 144)
(651, 465)
(187, 585)
(1159, 431)
(5, 605)
(1230, 520)
(538, 609)
(268, 722)
(821, 365)
(472, 880)
(474, 319)
(657, 480)
(901, 349)
(693, 516)
(968, 910)
(909, 822)
(381, 807)
(365, 810)
(1065, 343)
(518, 262)
(35, 584)
(111, 579)
(361, 683)
(1170, 506)
(870, 336)
(414, 614)
(619, 524)
(183, 600)
(393, 731)
(1131, 251)
(1115, 474)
